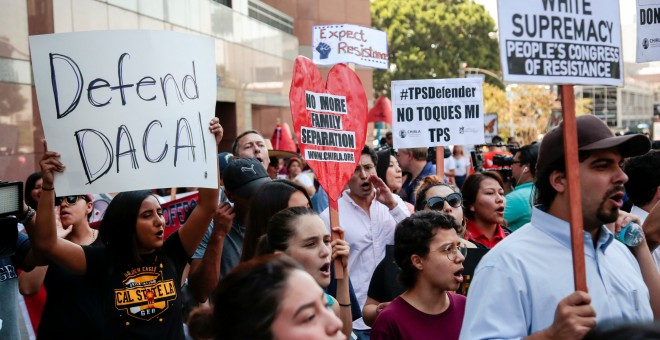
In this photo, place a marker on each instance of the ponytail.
(263, 246)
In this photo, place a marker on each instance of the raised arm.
(648, 267)
(651, 227)
(43, 235)
(384, 195)
(341, 250)
(195, 227)
(642, 252)
(29, 283)
(204, 272)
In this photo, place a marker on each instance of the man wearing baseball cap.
(220, 249)
(524, 286)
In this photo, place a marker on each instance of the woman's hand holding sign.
(50, 162)
(216, 129)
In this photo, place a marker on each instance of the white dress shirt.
(367, 237)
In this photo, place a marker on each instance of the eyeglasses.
(69, 199)
(452, 251)
(438, 203)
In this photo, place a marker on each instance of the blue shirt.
(518, 209)
(518, 284)
(409, 186)
(320, 200)
(231, 247)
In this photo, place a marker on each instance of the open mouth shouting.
(366, 186)
(160, 234)
(617, 199)
(458, 275)
(325, 269)
(261, 160)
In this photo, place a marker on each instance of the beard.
(608, 215)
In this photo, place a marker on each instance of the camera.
(11, 203)
(502, 160)
(430, 155)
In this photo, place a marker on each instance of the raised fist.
(324, 49)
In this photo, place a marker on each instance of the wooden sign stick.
(173, 194)
(574, 196)
(334, 222)
(440, 162)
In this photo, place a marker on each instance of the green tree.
(431, 38)
(528, 107)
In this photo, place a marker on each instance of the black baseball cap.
(243, 176)
(592, 134)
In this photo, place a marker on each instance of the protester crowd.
(478, 254)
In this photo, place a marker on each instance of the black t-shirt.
(73, 305)
(384, 285)
(141, 301)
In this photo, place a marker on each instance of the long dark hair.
(471, 189)
(281, 228)
(383, 164)
(30, 183)
(118, 226)
(269, 199)
(247, 300)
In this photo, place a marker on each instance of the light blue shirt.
(518, 284)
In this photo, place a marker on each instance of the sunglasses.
(69, 199)
(438, 203)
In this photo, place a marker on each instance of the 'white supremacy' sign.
(561, 42)
(334, 44)
(437, 112)
(127, 110)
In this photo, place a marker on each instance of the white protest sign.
(127, 110)
(648, 31)
(561, 42)
(333, 44)
(437, 112)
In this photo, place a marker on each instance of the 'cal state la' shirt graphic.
(145, 294)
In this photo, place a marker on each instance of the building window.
(270, 16)
(224, 2)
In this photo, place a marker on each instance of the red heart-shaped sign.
(330, 121)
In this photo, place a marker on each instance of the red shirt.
(474, 234)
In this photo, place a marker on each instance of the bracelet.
(343, 305)
(47, 189)
(28, 216)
